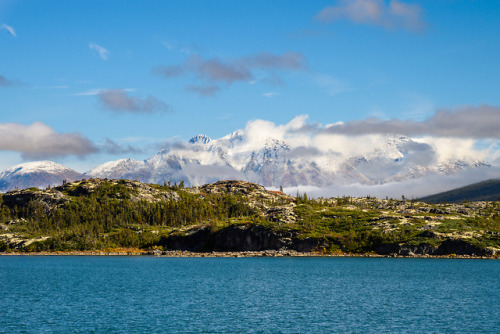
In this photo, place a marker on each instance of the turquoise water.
(248, 295)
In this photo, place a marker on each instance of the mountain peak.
(36, 166)
(200, 139)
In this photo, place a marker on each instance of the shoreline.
(264, 253)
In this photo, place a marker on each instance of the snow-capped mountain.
(273, 162)
(268, 159)
(36, 174)
(115, 169)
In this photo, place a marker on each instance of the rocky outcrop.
(58, 196)
(14, 241)
(49, 199)
(136, 190)
(446, 247)
(281, 214)
(241, 238)
(256, 194)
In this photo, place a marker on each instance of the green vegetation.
(98, 215)
(108, 218)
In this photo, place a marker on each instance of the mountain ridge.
(267, 160)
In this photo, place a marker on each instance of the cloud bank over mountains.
(469, 122)
(469, 131)
(373, 156)
(297, 154)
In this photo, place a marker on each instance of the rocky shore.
(266, 253)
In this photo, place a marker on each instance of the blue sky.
(84, 82)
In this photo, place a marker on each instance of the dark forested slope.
(482, 191)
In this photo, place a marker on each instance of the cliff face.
(242, 238)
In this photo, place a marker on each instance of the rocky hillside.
(98, 214)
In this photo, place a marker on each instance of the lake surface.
(44, 294)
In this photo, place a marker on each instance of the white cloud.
(39, 141)
(103, 53)
(10, 29)
(326, 141)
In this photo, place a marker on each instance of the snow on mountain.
(36, 174)
(267, 158)
(115, 169)
(274, 162)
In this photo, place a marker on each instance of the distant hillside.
(483, 191)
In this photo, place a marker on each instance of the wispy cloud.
(40, 141)
(120, 101)
(270, 94)
(184, 49)
(112, 147)
(9, 29)
(103, 53)
(396, 14)
(98, 91)
(229, 71)
(331, 85)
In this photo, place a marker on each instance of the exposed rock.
(48, 198)
(58, 196)
(281, 214)
(459, 247)
(407, 250)
(14, 241)
(241, 238)
(447, 247)
(256, 194)
(247, 238)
